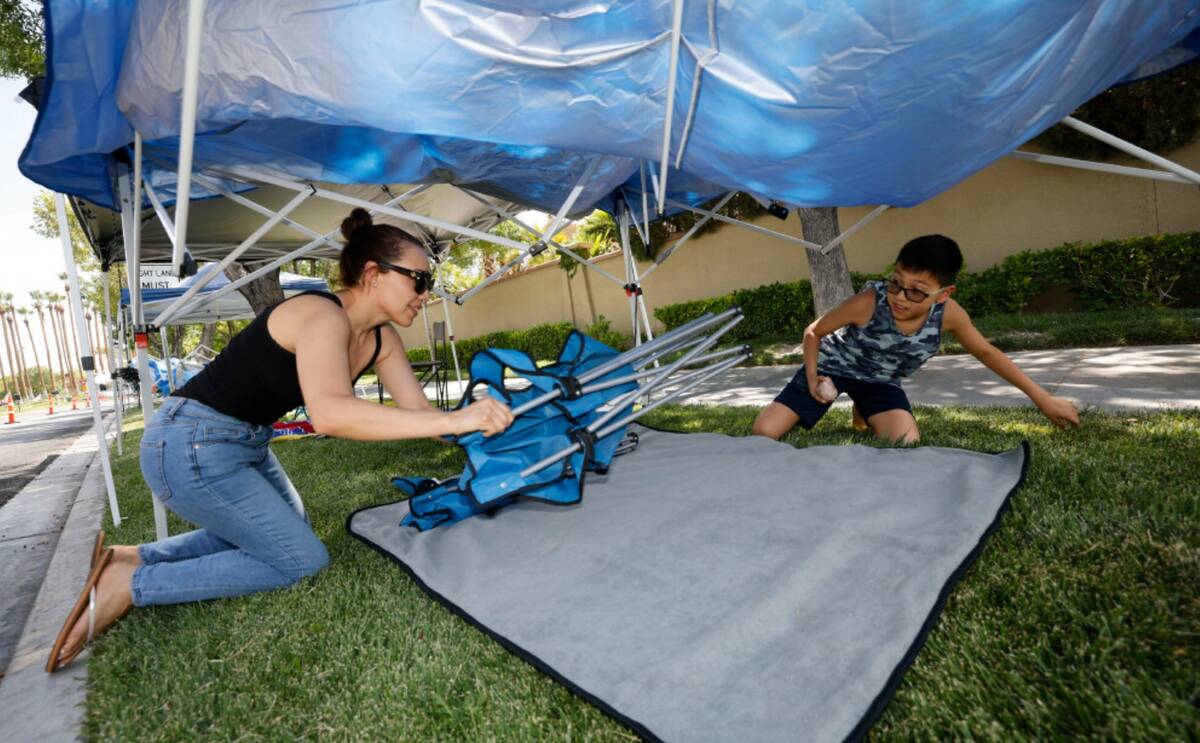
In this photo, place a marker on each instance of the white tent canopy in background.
(230, 306)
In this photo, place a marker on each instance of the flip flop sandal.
(86, 602)
(97, 549)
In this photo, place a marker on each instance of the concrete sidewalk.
(46, 535)
(1136, 377)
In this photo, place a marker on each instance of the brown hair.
(367, 241)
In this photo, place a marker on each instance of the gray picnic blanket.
(716, 588)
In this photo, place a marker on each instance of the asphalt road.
(32, 443)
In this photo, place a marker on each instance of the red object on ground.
(12, 418)
(51, 406)
(292, 428)
(142, 340)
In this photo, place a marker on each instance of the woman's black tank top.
(255, 379)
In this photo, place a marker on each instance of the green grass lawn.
(1080, 619)
(1139, 327)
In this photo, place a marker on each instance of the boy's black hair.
(935, 254)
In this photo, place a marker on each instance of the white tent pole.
(572, 197)
(176, 307)
(745, 225)
(451, 337)
(1131, 149)
(687, 235)
(630, 282)
(161, 212)
(854, 228)
(701, 63)
(1068, 162)
(86, 360)
(112, 365)
(166, 349)
(406, 216)
(327, 238)
(645, 205)
(561, 248)
(672, 76)
(131, 229)
(187, 129)
(254, 206)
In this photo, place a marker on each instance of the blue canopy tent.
(635, 107)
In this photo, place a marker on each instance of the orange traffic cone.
(12, 418)
(51, 404)
(73, 405)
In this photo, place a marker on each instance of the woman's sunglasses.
(422, 280)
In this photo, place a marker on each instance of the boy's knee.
(897, 427)
(774, 421)
(763, 428)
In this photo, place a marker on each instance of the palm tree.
(18, 349)
(52, 299)
(74, 343)
(24, 312)
(66, 350)
(12, 364)
(38, 305)
(93, 324)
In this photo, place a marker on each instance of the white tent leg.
(112, 366)
(450, 336)
(87, 361)
(131, 225)
(672, 76)
(854, 228)
(187, 129)
(631, 287)
(688, 235)
(1132, 149)
(1070, 162)
(166, 349)
(746, 225)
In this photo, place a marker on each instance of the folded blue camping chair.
(492, 477)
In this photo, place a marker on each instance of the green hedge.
(540, 341)
(1150, 271)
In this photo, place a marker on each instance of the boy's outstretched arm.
(1059, 410)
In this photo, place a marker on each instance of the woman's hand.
(487, 415)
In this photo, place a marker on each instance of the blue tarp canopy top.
(811, 103)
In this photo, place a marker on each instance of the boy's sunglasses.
(913, 295)
(422, 280)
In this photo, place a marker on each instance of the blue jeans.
(218, 473)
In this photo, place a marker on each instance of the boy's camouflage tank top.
(878, 351)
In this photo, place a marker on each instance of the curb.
(35, 705)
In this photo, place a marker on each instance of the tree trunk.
(260, 293)
(36, 361)
(46, 345)
(19, 352)
(12, 362)
(56, 320)
(208, 334)
(62, 364)
(830, 274)
(74, 343)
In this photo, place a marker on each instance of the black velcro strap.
(88, 363)
(572, 389)
(586, 440)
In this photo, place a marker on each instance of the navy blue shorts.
(870, 397)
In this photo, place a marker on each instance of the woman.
(205, 453)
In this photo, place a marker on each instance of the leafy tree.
(21, 40)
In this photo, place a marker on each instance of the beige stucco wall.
(1011, 206)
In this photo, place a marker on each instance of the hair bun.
(358, 221)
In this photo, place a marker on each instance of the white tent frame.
(130, 189)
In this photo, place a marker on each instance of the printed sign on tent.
(157, 276)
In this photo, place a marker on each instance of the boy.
(866, 344)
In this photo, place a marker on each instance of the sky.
(27, 262)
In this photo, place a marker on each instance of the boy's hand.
(823, 391)
(1061, 412)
